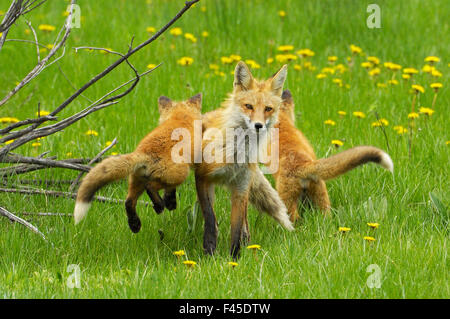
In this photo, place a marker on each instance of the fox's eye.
(268, 109)
(249, 106)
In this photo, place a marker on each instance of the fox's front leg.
(239, 203)
(135, 189)
(205, 195)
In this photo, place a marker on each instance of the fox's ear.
(287, 96)
(196, 100)
(277, 80)
(243, 78)
(164, 103)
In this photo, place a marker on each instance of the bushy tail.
(333, 166)
(266, 199)
(109, 170)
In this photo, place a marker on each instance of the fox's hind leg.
(170, 198)
(290, 191)
(135, 189)
(318, 194)
(152, 191)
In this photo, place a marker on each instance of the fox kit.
(300, 174)
(253, 108)
(150, 167)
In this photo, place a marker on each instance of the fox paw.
(159, 208)
(135, 224)
(170, 201)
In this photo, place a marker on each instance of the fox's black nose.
(258, 125)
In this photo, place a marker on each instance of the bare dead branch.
(14, 218)
(63, 194)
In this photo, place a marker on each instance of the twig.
(19, 220)
(46, 214)
(77, 180)
(64, 194)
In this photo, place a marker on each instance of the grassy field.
(316, 260)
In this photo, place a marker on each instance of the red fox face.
(258, 102)
(166, 106)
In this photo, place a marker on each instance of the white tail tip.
(80, 211)
(386, 162)
(283, 219)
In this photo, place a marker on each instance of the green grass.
(411, 246)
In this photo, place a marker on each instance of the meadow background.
(315, 261)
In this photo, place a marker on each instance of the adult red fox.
(300, 173)
(251, 109)
(150, 167)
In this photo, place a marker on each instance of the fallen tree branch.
(21, 221)
(27, 191)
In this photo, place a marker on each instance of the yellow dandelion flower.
(418, 88)
(337, 143)
(427, 68)
(190, 36)
(205, 34)
(297, 67)
(321, 76)
(214, 67)
(369, 239)
(367, 64)
(337, 81)
(380, 122)
(381, 85)
(400, 129)
(355, 49)
(282, 13)
(373, 225)
(9, 120)
(150, 29)
(305, 53)
(406, 76)
(432, 59)
(330, 122)
(190, 263)
(254, 247)
(42, 113)
(114, 153)
(359, 114)
(151, 66)
(285, 48)
(253, 64)
(393, 82)
(413, 115)
(344, 229)
(328, 70)
(9, 142)
(226, 60)
(447, 143)
(235, 57)
(342, 113)
(91, 132)
(269, 60)
(185, 61)
(46, 27)
(332, 58)
(203, 9)
(410, 71)
(36, 144)
(232, 264)
(436, 73)
(373, 59)
(179, 253)
(426, 111)
(374, 72)
(436, 86)
(176, 31)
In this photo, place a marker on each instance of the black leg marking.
(133, 219)
(170, 199)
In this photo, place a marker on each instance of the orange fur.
(150, 167)
(300, 174)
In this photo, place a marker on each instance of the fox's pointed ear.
(243, 78)
(287, 96)
(196, 100)
(164, 103)
(277, 80)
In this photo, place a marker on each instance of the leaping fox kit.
(149, 167)
(300, 174)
